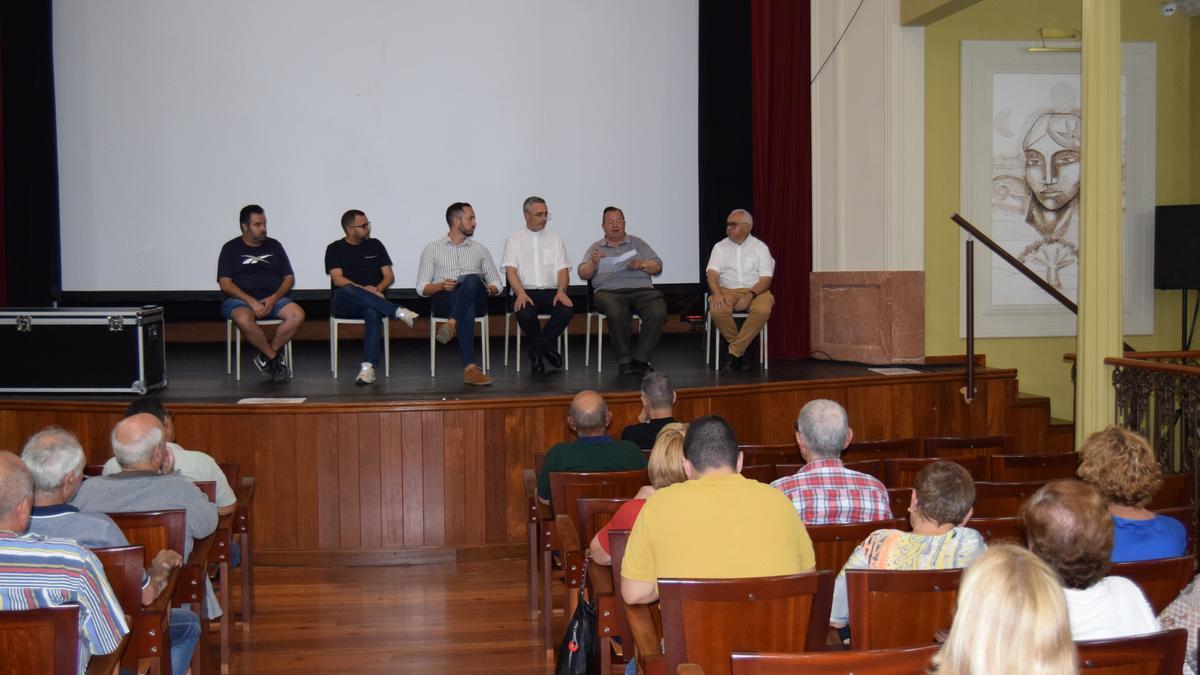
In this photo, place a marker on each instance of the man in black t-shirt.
(255, 275)
(658, 410)
(360, 270)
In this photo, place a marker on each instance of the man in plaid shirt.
(823, 490)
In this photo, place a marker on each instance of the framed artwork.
(1020, 168)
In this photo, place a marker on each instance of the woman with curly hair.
(1068, 526)
(1122, 467)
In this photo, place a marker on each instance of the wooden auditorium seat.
(46, 641)
(763, 473)
(756, 455)
(833, 544)
(900, 472)
(1161, 580)
(911, 661)
(1003, 499)
(594, 514)
(532, 525)
(996, 529)
(1009, 468)
(959, 446)
(900, 447)
(1154, 654)
(891, 609)
(1178, 489)
(149, 625)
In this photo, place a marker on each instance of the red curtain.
(3, 266)
(782, 160)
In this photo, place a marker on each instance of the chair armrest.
(568, 536)
(600, 579)
(647, 637)
(689, 669)
(194, 572)
(108, 664)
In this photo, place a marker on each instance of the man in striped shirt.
(457, 273)
(823, 490)
(36, 572)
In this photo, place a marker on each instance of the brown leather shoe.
(446, 331)
(473, 375)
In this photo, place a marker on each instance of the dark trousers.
(352, 302)
(467, 301)
(619, 305)
(541, 340)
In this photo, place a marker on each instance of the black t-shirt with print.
(257, 270)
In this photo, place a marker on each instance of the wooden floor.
(454, 617)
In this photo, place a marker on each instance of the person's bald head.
(136, 440)
(589, 414)
(16, 493)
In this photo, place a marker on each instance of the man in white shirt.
(535, 263)
(739, 280)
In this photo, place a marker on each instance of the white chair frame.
(233, 333)
(334, 322)
(587, 337)
(713, 337)
(483, 337)
(561, 341)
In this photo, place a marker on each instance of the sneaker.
(407, 316)
(279, 368)
(447, 331)
(473, 375)
(366, 374)
(262, 362)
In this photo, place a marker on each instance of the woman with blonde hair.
(1011, 618)
(665, 468)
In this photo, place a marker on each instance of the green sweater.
(590, 453)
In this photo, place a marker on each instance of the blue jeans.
(185, 633)
(467, 301)
(352, 302)
(230, 304)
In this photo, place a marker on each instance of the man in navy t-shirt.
(255, 275)
(360, 270)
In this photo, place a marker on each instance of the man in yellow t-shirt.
(715, 525)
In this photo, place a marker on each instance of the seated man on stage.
(255, 275)
(739, 280)
(458, 274)
(360, 270)
(535, 263)
(620, 267)
(593, 449)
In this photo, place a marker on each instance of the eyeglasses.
(610, 221)
(365, 226)
(545, 215)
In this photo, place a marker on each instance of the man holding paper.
(620, 268)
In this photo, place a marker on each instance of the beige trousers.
(759, 310)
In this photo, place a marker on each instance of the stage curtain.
(782, 162)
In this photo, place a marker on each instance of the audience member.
(1067, 524)
(55, 460)
(658, 403)
(1121, 465)
(593, 449)
(196, 466)
(824, 491)
(1011, 618)
(1184, 612)
(37, 572)
(665, 468)
(942, 496)
(715, 525)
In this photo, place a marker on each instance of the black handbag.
(577, 650)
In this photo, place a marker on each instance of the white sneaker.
(366, 374)
(407, 316)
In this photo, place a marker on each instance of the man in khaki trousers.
(739, 280)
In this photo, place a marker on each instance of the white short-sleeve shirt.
(537, 257)
(1113, 608)
(741, 266)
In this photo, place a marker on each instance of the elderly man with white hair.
(824, 491)
(739, 274)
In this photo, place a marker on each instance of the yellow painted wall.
(1039, 360)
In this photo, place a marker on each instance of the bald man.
(36, 572)
(593, 449)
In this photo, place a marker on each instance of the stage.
(418, 468)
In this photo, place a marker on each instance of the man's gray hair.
(589, 420)
(530, 201)
(824, 426)
(137, 451)
(52, 454)
(15, 484)
(744, 212)
(657, 389)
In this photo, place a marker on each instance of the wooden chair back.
(705, 620)
(1008, 468)
(567, 487)
(1178, 489)
(209, 488)
(92, 470)
(900, 447)
(1003, 499)
(1161, 580)
(539, 460)
(1154, 654)
(233, 473)
(898, 501)
(760, 455)
(763, 473)
(123, 568)
(833, 544)
(871, 467)
(954, 446)
(154, 531)
(1185, 515)
(617, 540)
(997, 529)
(924, 598)
(787, 469)
(40, 641)
(594, 514)
(911, 661)
(901, 472)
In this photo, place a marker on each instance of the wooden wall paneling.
(433, 504)
(349, 510)
(454, 442)
(276, 444)
(474, 479)
(328, 481)
(414, 484)
(370, 507)
(517, 457)
(501, 477)
(882, 412)
(307, 450)
(391, 478)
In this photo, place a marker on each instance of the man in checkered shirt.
(823, 490)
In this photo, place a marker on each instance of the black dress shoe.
(736, 364)
(539, 366)
(630, 368)
(554, 358)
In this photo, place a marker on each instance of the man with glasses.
(620, 268)
(535, 262)
(739, 280)
(360, 270)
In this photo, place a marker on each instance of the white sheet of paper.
(610, 263)
(894, 371)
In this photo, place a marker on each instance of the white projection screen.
(172, 115)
